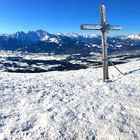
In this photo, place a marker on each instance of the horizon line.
(86, 33)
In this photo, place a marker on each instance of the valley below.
(20, 62)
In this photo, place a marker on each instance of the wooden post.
(104, 57)
(104, 42)
(104, 27)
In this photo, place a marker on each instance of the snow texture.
(74, 105)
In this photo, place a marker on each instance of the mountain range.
(41, 41)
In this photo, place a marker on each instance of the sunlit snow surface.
(73, 105)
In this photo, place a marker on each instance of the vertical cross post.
(104, 42)
(104, 27)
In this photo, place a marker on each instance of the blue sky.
(67, 15)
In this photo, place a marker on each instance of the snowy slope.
(73, 105)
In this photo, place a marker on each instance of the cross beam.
(104, 27)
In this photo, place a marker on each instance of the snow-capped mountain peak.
(58, 34)
(71, 42)
(73, 35)
(134, 36)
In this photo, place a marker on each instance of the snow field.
(74, 105)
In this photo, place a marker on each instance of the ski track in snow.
(74, 105)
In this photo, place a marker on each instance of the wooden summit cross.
(104, 27)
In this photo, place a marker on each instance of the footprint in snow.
(50, 109)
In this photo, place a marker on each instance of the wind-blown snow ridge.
(71, 105)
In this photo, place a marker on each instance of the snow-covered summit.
(71, 105)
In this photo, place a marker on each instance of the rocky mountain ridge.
(41, 41)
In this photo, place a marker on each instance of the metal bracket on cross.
(104, 27)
